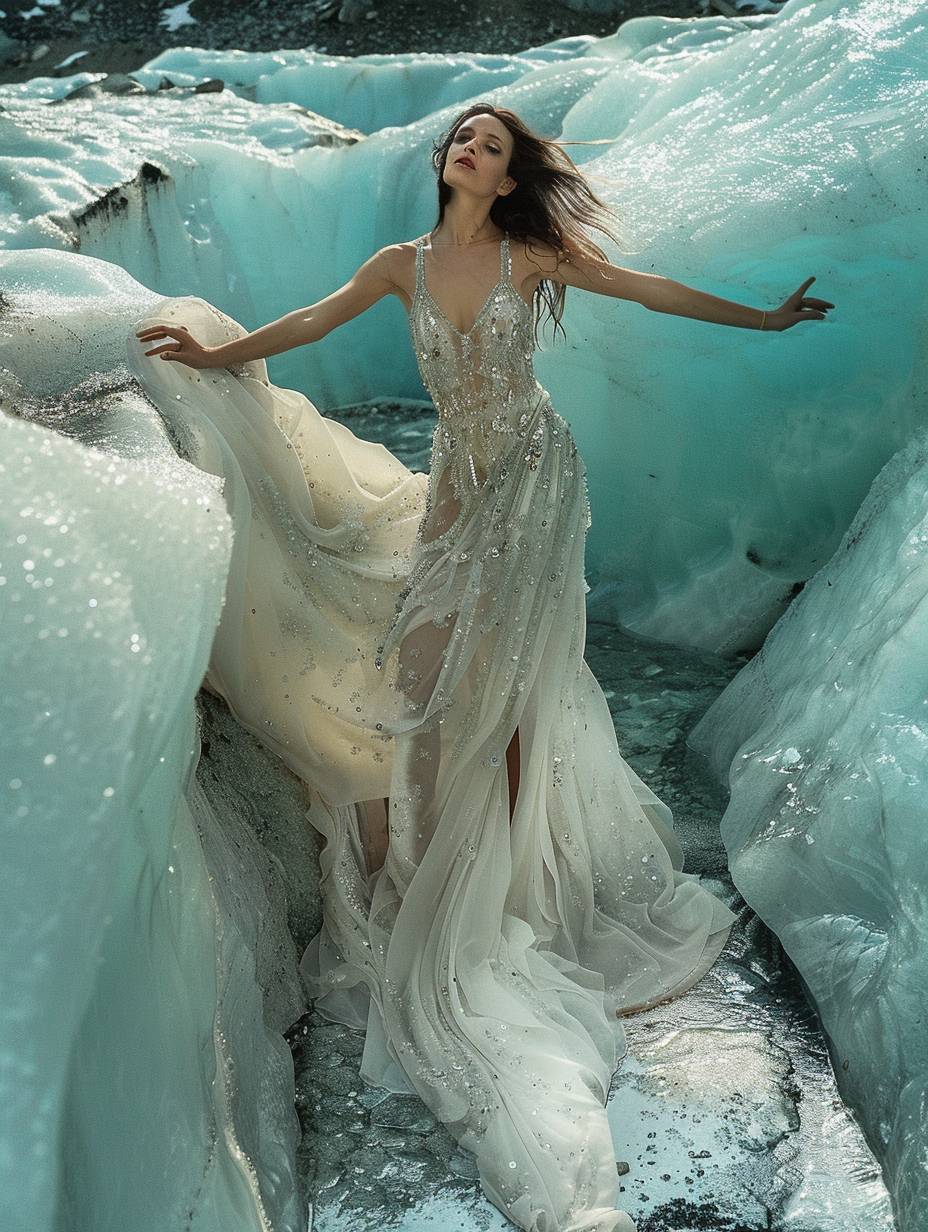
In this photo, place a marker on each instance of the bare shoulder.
(399, 265)
(537, 253)
(534, 260)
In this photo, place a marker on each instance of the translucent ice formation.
(145, 968)
(192, 889)
(823, 740)
(742, 156)
(724, 468)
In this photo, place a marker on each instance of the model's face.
(486, 144)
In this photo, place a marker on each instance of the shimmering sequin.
(386, 634)
(482, 382)
(493, 953)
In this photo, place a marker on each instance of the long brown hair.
(552, 200)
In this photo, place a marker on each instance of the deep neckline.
(501, 281)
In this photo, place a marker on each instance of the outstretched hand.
(184, 347)
(798, 307)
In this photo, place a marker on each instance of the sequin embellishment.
(481, 381)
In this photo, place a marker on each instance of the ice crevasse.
(728, 472)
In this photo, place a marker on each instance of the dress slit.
(513, 757)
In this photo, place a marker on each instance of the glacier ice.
(747, 154)
(146, 967)
(822, 739)
(236, 888)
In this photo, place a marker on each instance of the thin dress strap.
(420, 266)
(505, 260)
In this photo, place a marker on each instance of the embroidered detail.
(481, 381)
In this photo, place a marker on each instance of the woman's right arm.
(370, 283)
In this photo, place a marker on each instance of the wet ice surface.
(725, 1108)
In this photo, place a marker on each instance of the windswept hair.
(552, 201)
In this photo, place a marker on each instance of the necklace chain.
(467, 243)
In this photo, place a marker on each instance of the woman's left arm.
(661, 294)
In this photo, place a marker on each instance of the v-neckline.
(438, 308)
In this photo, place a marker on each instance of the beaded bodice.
(481, 382)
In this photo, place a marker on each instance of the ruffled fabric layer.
(387, 636)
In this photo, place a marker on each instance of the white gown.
(386, 633)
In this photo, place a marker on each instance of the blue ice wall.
(726, 468)
(181, 976)
(144, 1080)
(823, 741)
(744, 155)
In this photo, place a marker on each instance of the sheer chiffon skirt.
(386, 637)
(488, 959)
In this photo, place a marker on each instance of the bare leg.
(375, 834)
(420, 660)
(512, 771)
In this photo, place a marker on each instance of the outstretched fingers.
(154, 332)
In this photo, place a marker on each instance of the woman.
(519, 888)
